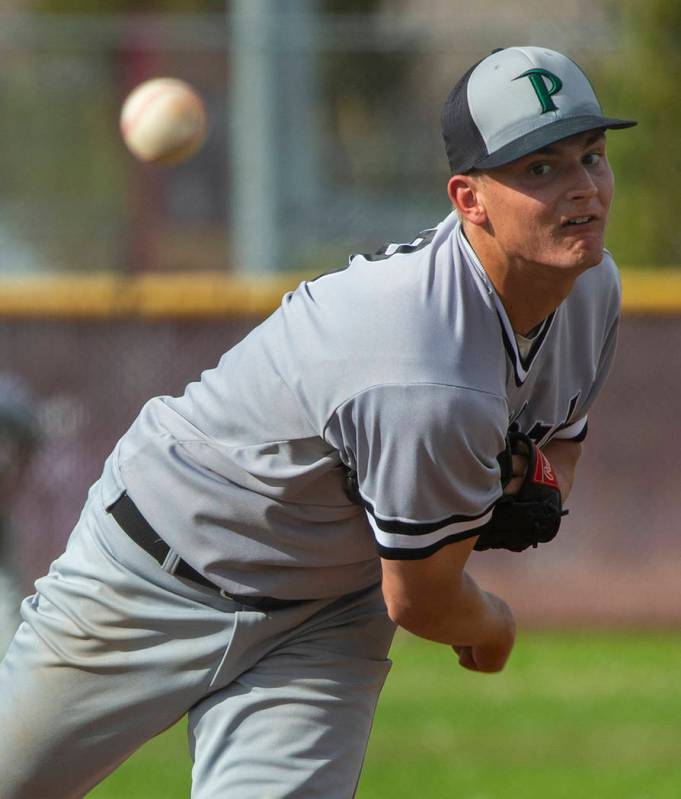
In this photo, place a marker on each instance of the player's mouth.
(578, 222)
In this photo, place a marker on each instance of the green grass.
(574, 715)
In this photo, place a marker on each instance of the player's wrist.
(480, 618)
(495, 640)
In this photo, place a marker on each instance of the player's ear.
(463, 191)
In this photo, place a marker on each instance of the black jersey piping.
(391, 553)
(522, 366)
(537, 342)
(419, 528)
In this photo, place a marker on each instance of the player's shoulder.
(397, 257)
(394, 292)
(404, 252)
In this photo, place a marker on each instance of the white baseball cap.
(516, 101)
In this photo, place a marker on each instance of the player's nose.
(582, 183)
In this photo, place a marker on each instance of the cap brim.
(549, 134)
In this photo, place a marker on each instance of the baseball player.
(252, 544)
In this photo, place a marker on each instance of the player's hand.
(563, 457)
(490, 656)
(483, 659)
(518, 474)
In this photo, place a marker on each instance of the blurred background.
(120, 281)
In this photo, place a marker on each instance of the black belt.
(136, 527)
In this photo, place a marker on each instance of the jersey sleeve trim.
(398, 546)
(573, 432)
(407, 529)
(420, 544)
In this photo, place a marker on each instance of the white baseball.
(163, 120)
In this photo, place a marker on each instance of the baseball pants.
(113, 650)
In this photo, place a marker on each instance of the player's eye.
(591, 159)
(540, 169)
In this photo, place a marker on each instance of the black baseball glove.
(532, 516)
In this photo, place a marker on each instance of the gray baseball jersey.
(403, 367)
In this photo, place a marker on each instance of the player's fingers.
(513, 486)
(519, 468)
(466, 660)
(519, 465)
(490, 660)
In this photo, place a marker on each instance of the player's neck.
(529, 292)
(527, 296)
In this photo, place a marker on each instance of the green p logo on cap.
(543, 90)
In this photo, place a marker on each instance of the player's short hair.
(515, 101)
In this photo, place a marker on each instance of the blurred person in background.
(18, 440)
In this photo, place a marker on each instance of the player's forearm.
(477, 618)
(462, 615)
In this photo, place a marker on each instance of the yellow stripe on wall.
(213, 295)
(106, 296)
(654, 292)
